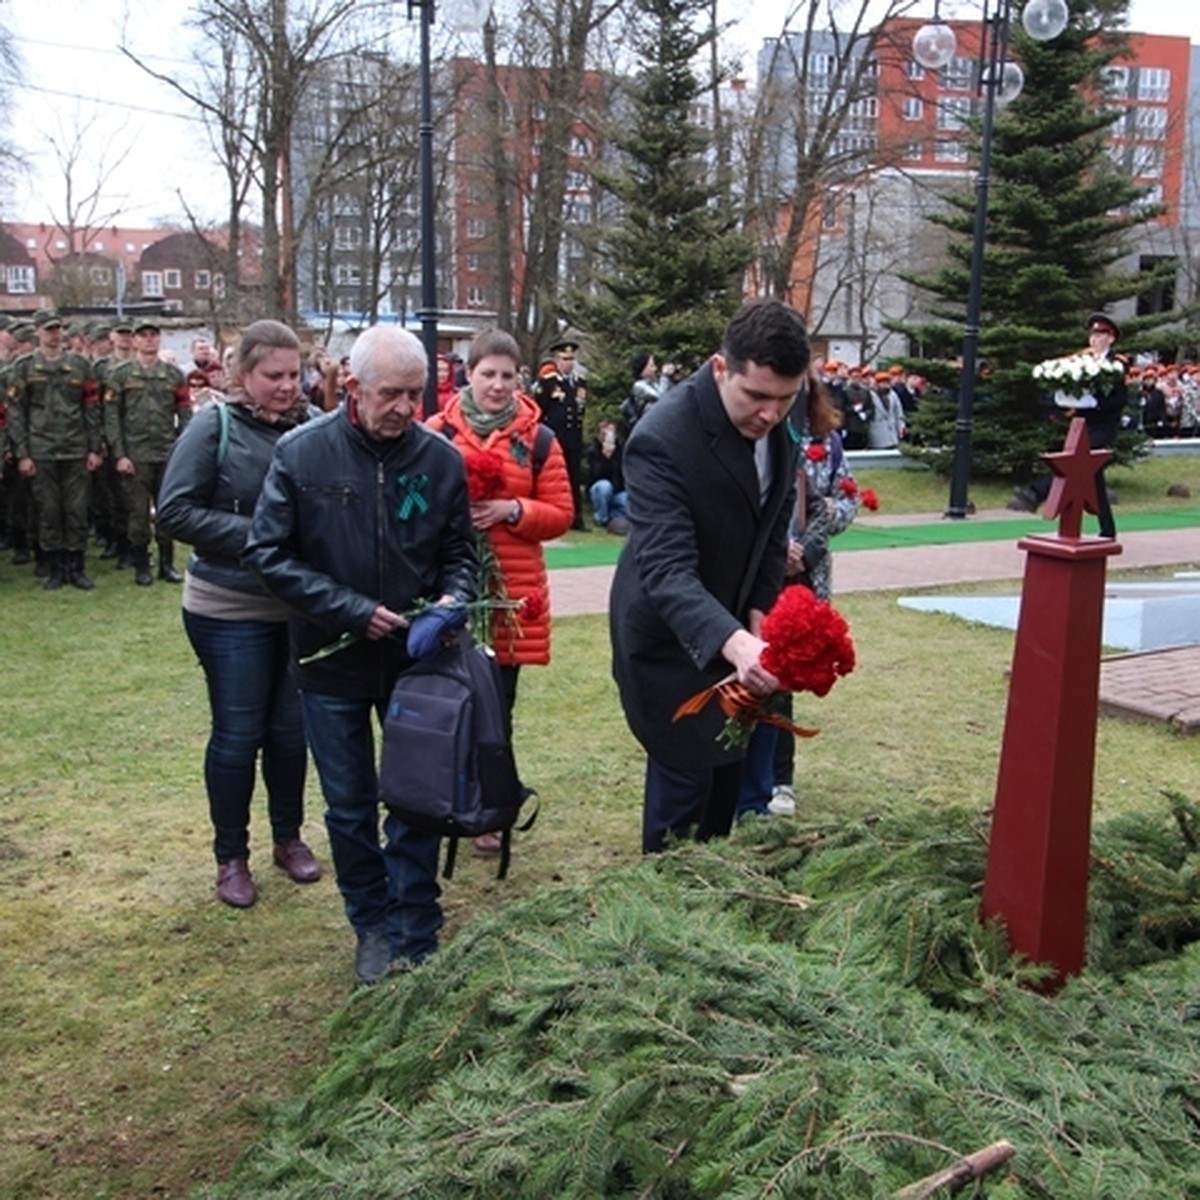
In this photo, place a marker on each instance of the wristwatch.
(515, 515)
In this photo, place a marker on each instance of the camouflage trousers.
(139, 491)
(60, 492)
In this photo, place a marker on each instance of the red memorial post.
(1038, 853)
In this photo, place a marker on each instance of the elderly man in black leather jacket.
(363, 513)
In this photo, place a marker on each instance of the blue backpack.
(447, 765)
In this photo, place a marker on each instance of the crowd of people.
(338, 533)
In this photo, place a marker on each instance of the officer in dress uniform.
(557, 394)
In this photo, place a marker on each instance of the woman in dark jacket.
(238, 631)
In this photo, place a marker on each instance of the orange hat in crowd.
(883, 377)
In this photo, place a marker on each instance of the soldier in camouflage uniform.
(54, 424)
(18, 491)
(146, 405)
(108, 500)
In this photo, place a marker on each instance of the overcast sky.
(76, 78)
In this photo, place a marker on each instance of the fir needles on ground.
(799, 1012)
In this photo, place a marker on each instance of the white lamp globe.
(1012, 80)
(1045, 19)
(934, 45)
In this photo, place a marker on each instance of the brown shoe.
(294, 857)
(234, 885)
(487, 844)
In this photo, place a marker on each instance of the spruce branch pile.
(799, 1012)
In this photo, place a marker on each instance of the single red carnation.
(814, 452)
(485, 475)
(808, 642)
(848, 487)
(870, 499)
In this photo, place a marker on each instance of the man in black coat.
(710, 473)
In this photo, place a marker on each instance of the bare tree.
(264, 58)
(810, 127)
(83, 209)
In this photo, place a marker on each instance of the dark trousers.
(139, 491)
(679, 803)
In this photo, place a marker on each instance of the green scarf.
(482, 424)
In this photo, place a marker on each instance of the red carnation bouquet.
(485, 475)
(808, 650)
(867, 497)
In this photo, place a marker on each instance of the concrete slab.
(1137, 616)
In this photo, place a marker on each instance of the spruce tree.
(1059, 216)
(667, 256)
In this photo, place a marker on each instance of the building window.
(580, 147)
(218, 287)
(1154, 83)
(958, 74)
(1116, 82)
(473, 262)
(476, 228)
(347, 275)
(347, 237)
(475, 296)
(173, 279)
(829, 211)
(914, 108)
(1147, 162)
(1150, 122)
(152, 284)
(20, 281)
(100, 276)
(949, 150)
(953, 113)
(913, 152)
(916, 72)
(203, 281)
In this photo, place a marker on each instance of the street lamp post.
(1000, 80)
(429, 304)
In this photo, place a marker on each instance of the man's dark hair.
(770, 333)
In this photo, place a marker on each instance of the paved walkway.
(1161, 684)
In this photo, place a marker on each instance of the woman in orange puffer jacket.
(517, 500)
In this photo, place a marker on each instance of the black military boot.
(124, 554)
(112, 548)
(20, 547)
(142, 575)
(166, 564)
(56, 574)
(76, 575)
(41, 562)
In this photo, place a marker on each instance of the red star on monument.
(1074, 488)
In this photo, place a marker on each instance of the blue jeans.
(391, 886)
(607, 503)
(758, 771)
(255, 709)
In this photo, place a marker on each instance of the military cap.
(146, 322)
(121, 325)
(6, 322)
(1103, 321)
(564, 344)
(23, 331)
(45, 317)
(99, 328)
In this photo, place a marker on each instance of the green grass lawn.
(145, 1026)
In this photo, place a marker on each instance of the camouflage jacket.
(53, 407)
(145, 408)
